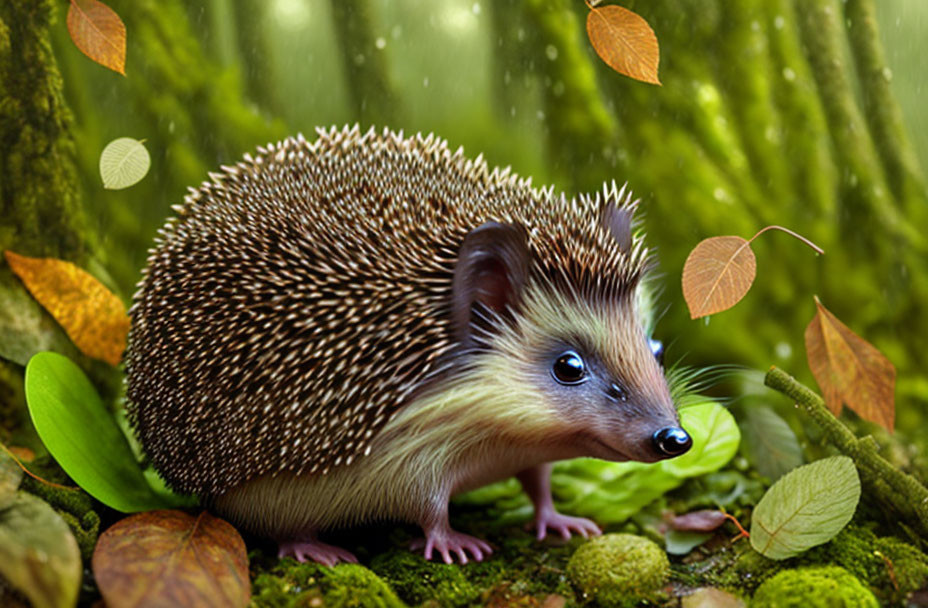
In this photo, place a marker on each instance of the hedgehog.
(356, 329)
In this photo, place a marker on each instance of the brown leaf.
(698, 521)
(93, 317)
(625, 42)
(717, 274)
(850, 370)
(170, 558)
(99, 33)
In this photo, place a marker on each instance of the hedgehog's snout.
(671, 441)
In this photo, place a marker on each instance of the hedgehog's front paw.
(564, 525)
(447, 542)
(304, 550)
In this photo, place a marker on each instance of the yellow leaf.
(99, 33)
(717, 274)
(93, 317)
(850, 370)
(625, 42)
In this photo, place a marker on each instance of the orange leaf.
(170, 558)
(717, 274)
(850, 370)
(624, 41)
(99, 33)
(94, 318)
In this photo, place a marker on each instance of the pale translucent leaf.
(123, 163)
(805, 508)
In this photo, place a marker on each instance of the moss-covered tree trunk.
(40, 206)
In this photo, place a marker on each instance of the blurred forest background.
(803, 113)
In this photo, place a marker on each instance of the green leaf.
(681, 542)
(123, 163)
(715, 440)
(772, 445)
(805, 508)
(83, 437)
(38, 554)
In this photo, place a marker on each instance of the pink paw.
(451, 542)
(327, 555)
(564, 525)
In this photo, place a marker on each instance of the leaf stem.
(33, 475)
(795, 235)
(893, 489)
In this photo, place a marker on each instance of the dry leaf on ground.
(850, 370)
(625, 42)
(170, 558)
(717, 274)
(93, 317)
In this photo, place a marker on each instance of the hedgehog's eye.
(657, 347)
(569, 368)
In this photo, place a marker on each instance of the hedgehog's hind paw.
(315, 550)
(449, 543)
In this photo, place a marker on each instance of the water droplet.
(789, 75)
(380, 43)
(783, 350)
(551, 52)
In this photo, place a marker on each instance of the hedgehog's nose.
(672, 441)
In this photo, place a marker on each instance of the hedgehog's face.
(585, 366)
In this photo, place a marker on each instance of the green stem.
(906, 496)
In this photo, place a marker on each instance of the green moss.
(820, 587)
(618, 569)
(291, 583)
(74, 505)
(416, 580)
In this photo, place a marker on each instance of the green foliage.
(83, 436)
(773, 447)
(820, 587)
(618, 569)
(806, 507)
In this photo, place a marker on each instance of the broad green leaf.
(38, 554)
(715, 440)
(772, 445)
(805, 508)
(123, 163)
(83, 437)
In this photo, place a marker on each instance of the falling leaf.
(99, 33)
(625, 42)
(850, 370)
(170, 558)
(82, 435)
(806, 507)
(123, 163)
(772, 446)
(717, 274)
(38, 554)
(93, 317)
(699, 521)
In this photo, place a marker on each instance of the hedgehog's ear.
(492, 267)
(618, 221)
